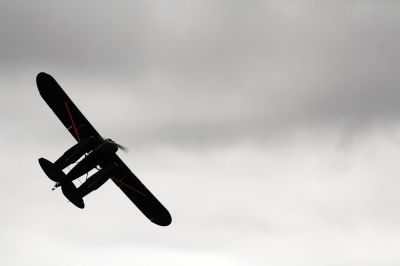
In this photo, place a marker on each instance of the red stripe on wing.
(72, 121)
(128, 186)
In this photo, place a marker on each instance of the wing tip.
(42, 77)
(43, 81)
(165, 220)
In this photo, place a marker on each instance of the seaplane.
(94, 155)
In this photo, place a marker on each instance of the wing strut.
(72, 121)
(126, 185)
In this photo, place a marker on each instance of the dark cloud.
(217, 69)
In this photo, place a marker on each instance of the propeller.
(123, 148)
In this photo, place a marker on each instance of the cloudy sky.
(269, 129)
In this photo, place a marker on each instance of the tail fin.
(71, 193)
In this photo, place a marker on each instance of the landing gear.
(76, 152)
(72, 194)
(55, 170)
(98, 152)
(52, 172)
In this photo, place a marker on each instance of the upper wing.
(64, 108)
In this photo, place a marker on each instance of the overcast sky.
(269, 129)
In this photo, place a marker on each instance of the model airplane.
(98, 154)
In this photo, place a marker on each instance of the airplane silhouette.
(98, 154)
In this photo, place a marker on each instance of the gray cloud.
(270, 129)
(217, 69)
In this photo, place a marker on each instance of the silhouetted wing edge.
(146, 202)
(64, 108)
